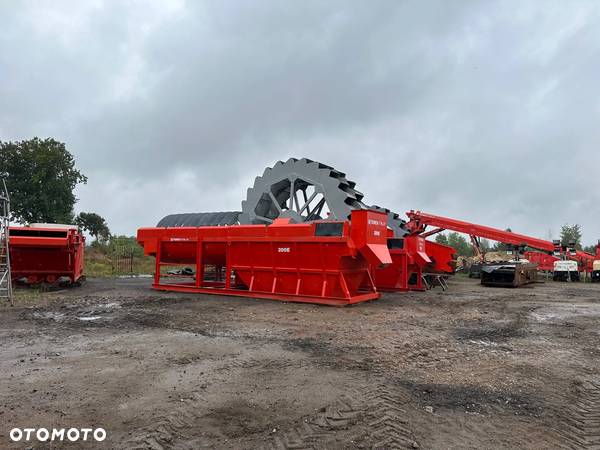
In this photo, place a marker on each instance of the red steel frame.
(409, 259)
(419, 221)
(413, 257)
(443, 258)
(45, 254)
(544, 261)
(282, 261)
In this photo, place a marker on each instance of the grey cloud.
(479, 110)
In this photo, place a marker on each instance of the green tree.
(441, 238)
(93, 224)
(571, 233)
(41, 179)
(460, 244)
(590, 249)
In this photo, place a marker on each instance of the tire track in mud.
(374, 414)
(165, 430)
(317, 431)
(581, 428)
(387, 425)
(373, 417)
(175, 429)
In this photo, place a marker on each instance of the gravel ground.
(471, 367)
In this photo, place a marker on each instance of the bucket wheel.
(305, 190)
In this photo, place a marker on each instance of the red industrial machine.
(551, 251)
(419, 221)
(544, 261)
(414, 260)
(321, 261)
(443, 258)
(242, 252)
(301, 191)
(585, 261)
(408, 264)
(46, 253)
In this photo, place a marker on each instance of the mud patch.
(494, 333)
(238, 419)
(326, 354)
(312, 346)
(102, 316)
(473, 399)
(566, 312)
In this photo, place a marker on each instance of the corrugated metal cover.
(210, 219)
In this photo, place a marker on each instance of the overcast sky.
(485, 111)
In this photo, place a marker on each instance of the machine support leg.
(228, 267)
(199, 264)
(405, 271)
(157, 264)
(344, 286)
(371, 281)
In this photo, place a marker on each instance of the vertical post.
(157, 262)
(228, 265)
(298, 276)
(405, 271)
(199, 263)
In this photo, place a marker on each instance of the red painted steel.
(546, 262)
(413, 257)
(419, 221)
(318, 262)
(409, 259)
(443, 258)
(45, 254)
(543, 260)
(585, 261)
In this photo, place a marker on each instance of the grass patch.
(99, 263)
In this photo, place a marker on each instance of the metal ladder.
(5, 278)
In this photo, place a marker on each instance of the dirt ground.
(471, 367)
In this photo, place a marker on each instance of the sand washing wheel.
(305, 190)
(299, 189)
